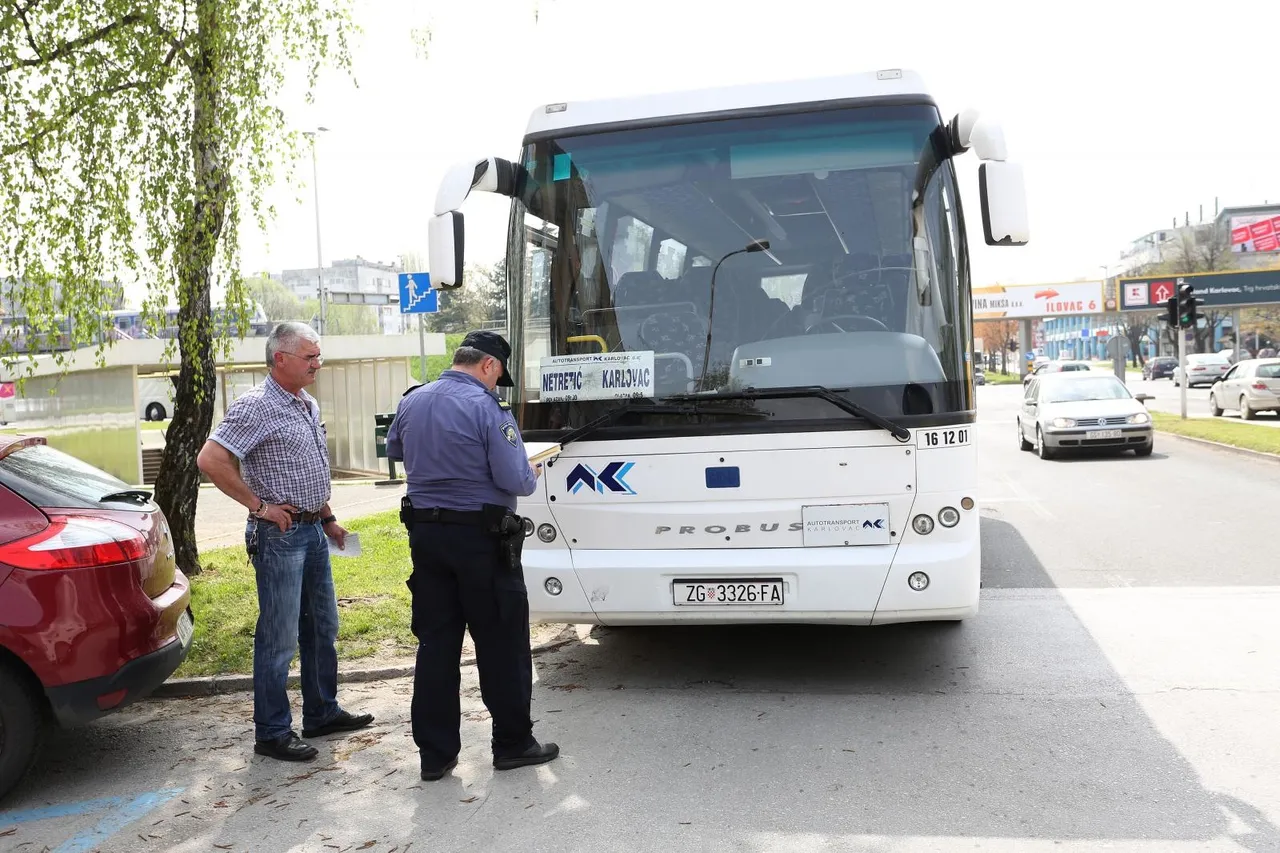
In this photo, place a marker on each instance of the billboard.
(1011, 301)
(1255, 233)
(1212, 290)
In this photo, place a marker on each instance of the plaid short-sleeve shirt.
(281, 445)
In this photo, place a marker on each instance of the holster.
(509, 529)
(406, 513)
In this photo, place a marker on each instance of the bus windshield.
(862, 289)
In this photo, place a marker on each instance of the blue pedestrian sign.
(416, 295)
(1084, 333)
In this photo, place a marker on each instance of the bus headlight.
(949, 516)
(922, 524)
(553, 586)
(546, 532)
(918, 581)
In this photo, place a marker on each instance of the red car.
(93, 609)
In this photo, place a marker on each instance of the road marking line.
(120, 813)
(116, 820)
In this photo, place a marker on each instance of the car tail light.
(1260, 386)
(77, 542)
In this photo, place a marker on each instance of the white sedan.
(1081, 411)
(1251, 386)
(1203, 368)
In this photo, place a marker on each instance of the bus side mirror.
(1003, 191)
(445, 230)
(445, 244)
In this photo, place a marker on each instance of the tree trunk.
(178, 483)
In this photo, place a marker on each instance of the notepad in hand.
(351, 546)
(539, 453)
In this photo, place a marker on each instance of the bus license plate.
(1105, 433)
(749, 592)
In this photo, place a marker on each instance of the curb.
(1230, 448)
(215, 685)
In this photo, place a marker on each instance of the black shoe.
(344, 722)
(287, 748)
(539, 753)
(438, 773)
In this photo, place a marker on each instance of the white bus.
(745, 315)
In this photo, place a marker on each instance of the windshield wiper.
(820, 392)
(134, 495)
(615, 415)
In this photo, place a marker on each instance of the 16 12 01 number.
(944, 437)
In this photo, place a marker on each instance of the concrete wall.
(350, 394)
(92, 416)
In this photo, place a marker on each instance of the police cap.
(491, 343)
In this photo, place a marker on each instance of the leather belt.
(299, 517)
(437, 515)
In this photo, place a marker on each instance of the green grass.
(1237, 434)
(154, 425)
(373, 602)
(437, 364)
(996, 378)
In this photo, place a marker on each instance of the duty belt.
(436, 515)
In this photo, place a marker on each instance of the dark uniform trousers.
(462, 580)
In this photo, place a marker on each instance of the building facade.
(353, 281)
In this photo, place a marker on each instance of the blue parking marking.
(121, 811)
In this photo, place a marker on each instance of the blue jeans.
(297, 611)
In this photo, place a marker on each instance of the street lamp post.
(315, 184)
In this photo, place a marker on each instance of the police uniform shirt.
(460, 446)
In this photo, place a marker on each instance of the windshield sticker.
(596, 376)
(755, 362)
(929, 438)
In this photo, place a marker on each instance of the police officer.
(465, 464)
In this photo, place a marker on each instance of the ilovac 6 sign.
(1011, 301)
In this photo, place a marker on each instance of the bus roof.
(551, 118)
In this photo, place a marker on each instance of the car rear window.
(50, 478)
(1269, 371)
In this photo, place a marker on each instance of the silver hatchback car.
(1081, 411)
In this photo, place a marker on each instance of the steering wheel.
(862, 323)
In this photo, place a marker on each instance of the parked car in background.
(155, 398)
(1056, 367)
(93, 609)
(1250, 387)
(1075, 411)
(979, 378)
(1159, 367)
(1203, 368)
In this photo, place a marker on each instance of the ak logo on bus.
(609, 480)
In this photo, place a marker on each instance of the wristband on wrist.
(262, 506)
(328, 519)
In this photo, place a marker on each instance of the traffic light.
(1171, 309)
(1187, 303)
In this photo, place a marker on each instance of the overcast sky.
(1124, 113)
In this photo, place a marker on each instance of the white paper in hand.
(352, 548)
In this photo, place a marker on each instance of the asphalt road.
(1119, 690)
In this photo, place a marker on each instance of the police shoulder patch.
(509, 430)
(504, 405)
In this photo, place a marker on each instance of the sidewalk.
(220, 520)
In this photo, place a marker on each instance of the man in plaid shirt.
(271, 454)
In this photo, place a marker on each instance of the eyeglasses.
(314, 359)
